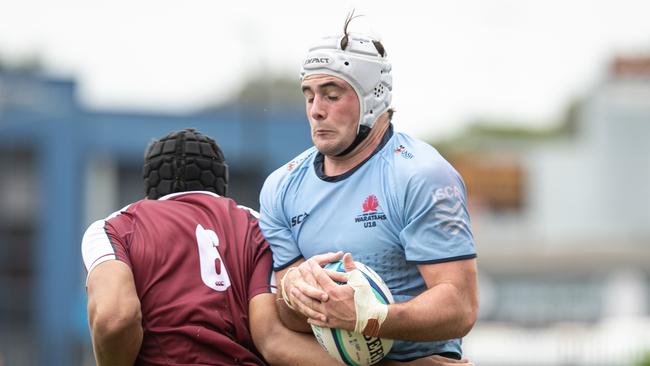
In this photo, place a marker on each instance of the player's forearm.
(291, 348)
(116, 332)
(291, 319)
(114, 314)
(117, 347)
(279, 345)
(440, 313)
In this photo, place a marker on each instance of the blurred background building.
(561, 217)
(562, 222)
(64, 166)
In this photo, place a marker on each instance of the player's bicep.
(262, 318)
(112, 295)
(462, 274)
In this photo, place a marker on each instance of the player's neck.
(337, 165)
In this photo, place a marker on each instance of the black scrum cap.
(184, 160)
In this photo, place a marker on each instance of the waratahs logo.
(371, 212)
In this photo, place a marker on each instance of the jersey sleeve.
(261, 279)
(102, 241)
(437, 226)
(274, 224)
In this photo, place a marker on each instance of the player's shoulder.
(297, 166)
(413, 158)
(98, 226)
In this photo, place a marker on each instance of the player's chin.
(328, 147)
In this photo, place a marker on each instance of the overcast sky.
(453, 61)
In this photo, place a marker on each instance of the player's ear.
(348, 263)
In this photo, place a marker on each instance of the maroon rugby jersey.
(197, 260)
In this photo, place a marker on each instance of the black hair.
(344, 41)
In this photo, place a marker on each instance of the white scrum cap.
(361, 64)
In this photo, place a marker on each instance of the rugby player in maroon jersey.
(185, 279)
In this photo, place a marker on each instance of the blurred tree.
(487, 152)
(569, 124)
(30, 64)
(485, 134)
(265, 92)
(280, 89)
(645, 361)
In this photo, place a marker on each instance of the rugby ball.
(350, 347)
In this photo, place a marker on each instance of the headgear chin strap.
(362, 133)
(359, 63)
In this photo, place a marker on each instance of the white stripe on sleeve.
(95, 246)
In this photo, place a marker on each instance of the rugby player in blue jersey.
(389, 200)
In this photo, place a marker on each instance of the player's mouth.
(321, 132)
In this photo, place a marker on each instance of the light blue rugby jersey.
(405, 205)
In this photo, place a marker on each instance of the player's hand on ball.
(312, 268)
(300, 283)
(338, 310)
(360, 311)
(350, 313)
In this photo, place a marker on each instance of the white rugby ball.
(350, 347)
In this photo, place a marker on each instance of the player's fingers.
(322, 278)
(292, 276)
(306, 274)
(348, 262)
(306, 305)
(310, 291)
(337, 276)
(317, 323)
(323, 259)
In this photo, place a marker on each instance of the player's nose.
(318, 110)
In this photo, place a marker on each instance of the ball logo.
(375, 348)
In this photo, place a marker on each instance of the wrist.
(376, 318)
(284, 287)
(370, 313)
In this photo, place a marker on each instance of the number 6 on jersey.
(213, 270)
